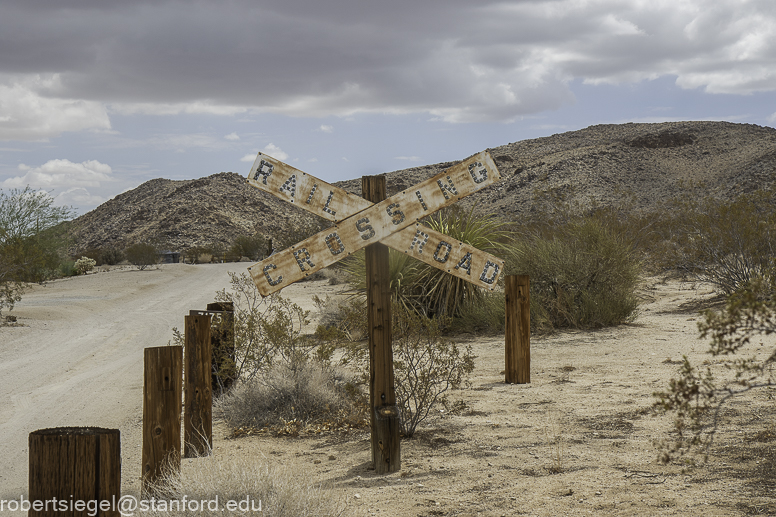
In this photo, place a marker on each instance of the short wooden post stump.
(78, 464)
(518, 329)
(198, 393)
(387, 444)
(162, 393)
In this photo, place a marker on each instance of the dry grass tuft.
(280, 491)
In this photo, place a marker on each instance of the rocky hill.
(600, 165)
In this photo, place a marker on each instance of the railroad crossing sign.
(359, 223)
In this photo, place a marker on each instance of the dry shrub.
(286, 382)
(289, 398)
(341, 318)
(726, 243)
(281, 491)
(583, 274)
(553, 433)
(426, 365)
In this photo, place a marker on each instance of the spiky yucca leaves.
(427, 290)
(403, 272)
(444, 294)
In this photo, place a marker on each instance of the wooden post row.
(518, 330)
(161, 412)
(198, 393)
(386, 452)
(75, 464)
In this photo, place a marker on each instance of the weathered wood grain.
(381, 220)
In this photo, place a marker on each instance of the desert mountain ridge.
(600, 165)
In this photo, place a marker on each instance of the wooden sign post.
(384, 414)
(374, 222)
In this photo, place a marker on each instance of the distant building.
(169, 257)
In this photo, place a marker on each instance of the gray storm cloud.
(459, 61)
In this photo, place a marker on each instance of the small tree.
(29, 246)
(141, 255)
(251, 247)
(426, 367)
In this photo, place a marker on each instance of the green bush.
(141, 255)
(252, 247)
(583, 274)
(83, 265)
(67, 268)
(111, 256)
(10, 293)
(486, 314)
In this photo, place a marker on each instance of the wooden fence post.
(161, 411)
(224, 371)
(198, 393)
(75, 464)
(518, 330)
(386, 451)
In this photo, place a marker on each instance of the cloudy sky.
(98, 96)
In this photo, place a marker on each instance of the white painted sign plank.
(380, 220)
(290, 184)
(307, 192)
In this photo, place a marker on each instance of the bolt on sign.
(395, 222)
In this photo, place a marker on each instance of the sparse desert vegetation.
(652, 333)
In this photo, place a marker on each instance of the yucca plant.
(403, 272)
(443, 294)
(427, 290)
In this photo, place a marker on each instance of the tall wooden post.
(518, 330)
(386, 452)
(224, 371)
(75, 464)
(161, 411)
(198, 392)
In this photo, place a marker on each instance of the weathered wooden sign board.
(359, 223)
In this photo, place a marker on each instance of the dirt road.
(78, 359)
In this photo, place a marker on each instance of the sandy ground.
(578, 440)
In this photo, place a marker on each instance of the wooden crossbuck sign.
(359, 223)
